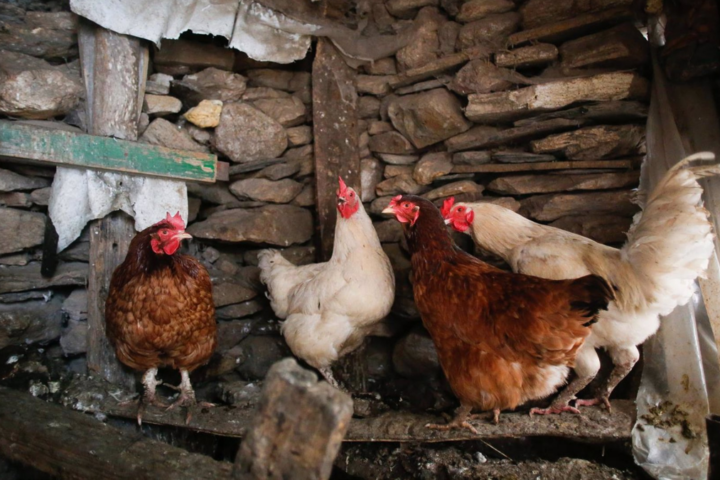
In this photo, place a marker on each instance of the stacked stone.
(484, 104)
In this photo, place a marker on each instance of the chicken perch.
(329, 308)
(668, 246)
(160, 312)
(502, 338)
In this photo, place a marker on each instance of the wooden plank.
(515, 104)
(486, 137)
(335, 135)
(298, 429)
(572, 27)
(594, 426)
(614, 112)
(534, 55)
(620, 47)
(69, 149)
(538, 166)
(536, 13)
(68, 444)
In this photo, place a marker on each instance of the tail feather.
(671, 240)
(273, 266)
(591, 294)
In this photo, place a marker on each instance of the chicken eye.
(352, 194)
(164, 232)
(461, 209)
(406, 205)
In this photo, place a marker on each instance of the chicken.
(329, 308)
(668, 246)
(502, 338)
(160, 312)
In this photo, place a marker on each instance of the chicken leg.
(624, 359)
(187, 396)
(462, 415)
(150, 382)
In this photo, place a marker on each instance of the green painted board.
(69, 149)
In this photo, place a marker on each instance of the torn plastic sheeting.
(264, 33)
(681, 374)
(79, 196)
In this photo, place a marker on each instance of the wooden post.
(335, 133)
(298, 429)
(114, 70)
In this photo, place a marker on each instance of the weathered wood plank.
(555, 205)
(69, 149)
(298, 428)
(572, 27)
(620, 47)
(536, 13)
(335, 134)
(601, 141)
(486, 137)
(515, 104)
(526, 184)
(594, 426)
(68, 444)
(531, 56)
(540, 166)
(621, 111)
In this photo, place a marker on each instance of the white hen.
(329, 308)
(669, 245)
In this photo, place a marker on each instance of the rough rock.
(281, 225)
(389, 231)
(306, 197)
(491, 30)
(395, 170)
(368, 107)
(15, 199)
(406, 8)
(31, 88)
(161, 132)
(424, 45)
(553, 206)
(402, 184)
(534, 55)
(288, 111)
(264, 190)
(258, 354)
(447, 37)
(279, 79)
(373, 84)
(455, 188)
(379, 204)
(432, 166)
(526, 184)
(371, 173)
(193, 208)
(414, 356)
(427, 118)
(217, 193)
(201, 136)
(391, 142)
(280, 170)
(44, 34)
(205, 114)
(298, 136)
(241, 394)
(393, 159)
(20, 229)
(593, 143)
(384, 66)
(160, 105)
(30, 322)
(376, 127)
(246, 134)
(480, 76)
(230, 292)
(73, 338)
(260, 93)
(210, 84)
(471, 158)
(230, 333)
(477, 9)
(158, 84)
(238, 310)
(11, 181)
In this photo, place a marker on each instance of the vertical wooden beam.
(335, 135)
(114, 69)
(298, 428)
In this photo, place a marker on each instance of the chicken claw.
(554, 409)
(187, 397)
(594, 401)
(462, 415)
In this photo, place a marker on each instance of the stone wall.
(482, 104)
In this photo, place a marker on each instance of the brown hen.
(502, 338)
(159, 310)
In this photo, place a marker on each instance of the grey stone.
(20, 229)
(393, 159)
(471, 158)
(281, 225)
(552, 206)
(402, 184)
(159, 105)
(389, 231)
(246, 134)
(158, 84)
(264, 190)
(455, 188)
(432, 166)
(280, 79)
(11, 181)
(241, 394)
(238, 310)
(379, 204)
(30, 322)
(368, 107)
(414, 356)
(230, 333)
(210, 84)
(217, 193)
(258, 354)
(490, 30)
(477, 9)
(395, 170)
(377, 126)
(424, 46)
(280, 170)
(391, 142)
(161, 132)
(371, 173)
(306, 197)
(298, 136)
(288, 112)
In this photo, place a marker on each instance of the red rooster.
(159, 310)
(502, 339)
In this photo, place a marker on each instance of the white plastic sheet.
(681, 375)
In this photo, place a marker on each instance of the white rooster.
(669, 245)
(329, 308)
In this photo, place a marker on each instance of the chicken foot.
(562, 402)
(150, 382)
(462, 415)
(187, 397)
(329, 377)
(624, 360)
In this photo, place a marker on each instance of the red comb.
(343, 187)
(176, 221)
(394, 201)
(447, 206)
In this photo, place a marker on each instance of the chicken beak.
(448, 221)
(182, 236)
(389, 210)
